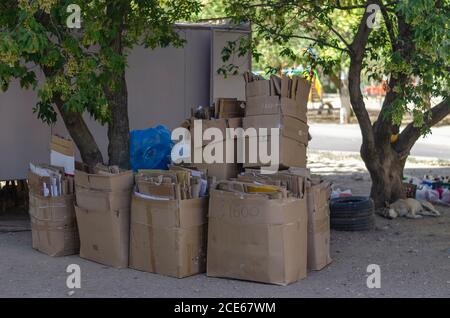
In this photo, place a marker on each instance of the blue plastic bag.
(150, 148)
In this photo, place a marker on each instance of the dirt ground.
(413, 255)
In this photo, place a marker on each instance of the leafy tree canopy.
(418, 52)
(79, 63)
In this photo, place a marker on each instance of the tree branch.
(339, 36)
(410, 134)
(383, 127)
(356, 59)
(389, 26)
(330, 26)
(321, 42)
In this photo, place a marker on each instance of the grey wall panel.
(197, 75)
(155, 87)
(23, 137)
(232, 86)
(163, 85)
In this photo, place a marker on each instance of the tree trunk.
(81, 135)
(118, 128)
(79, 131)
(385, 159)
(386, 172)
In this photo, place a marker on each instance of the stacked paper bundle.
(50, 181)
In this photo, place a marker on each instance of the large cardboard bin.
(103, 216)
(53, 225)
(168, 237)
(257, 239)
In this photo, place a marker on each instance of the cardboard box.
(296, 88)
(53, 225)
(271, 105)
(285, 86)
(303, 172)
(290, 127)
(103, 200)
(229, 105)
(234, 122)
(114, 182)
(104, 235)
(159, 190)
(303, 88)
(256, 239)
(35, 183)
(257, 88)
(294, 182)
(62, 145)
(228, 108)
(221, 124)
(291, 152)
(318, 197)
(221, 171)
(62, 154)
(44, 177)
(168, 237)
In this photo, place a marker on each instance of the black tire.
(354, 228)
(358, 220)
(358, 225)
(352, 214)
(350, 204)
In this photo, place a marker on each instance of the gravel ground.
(414, 257)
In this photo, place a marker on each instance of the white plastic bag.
(339, 194)
(432, 196)
(421, 192)
(446, 196)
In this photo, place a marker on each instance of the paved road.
(348, 138)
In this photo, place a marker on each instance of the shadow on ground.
(414, 257)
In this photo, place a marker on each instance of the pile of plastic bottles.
(433, 189)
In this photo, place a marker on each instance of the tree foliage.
(330, 28)
(80, 63)
(405, 42)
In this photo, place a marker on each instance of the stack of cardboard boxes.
(168, 222)
(103, 215)
(226, 113)
(278, 103)
(53, 224)
(258, 224)
(271, 228)
(198, 216)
